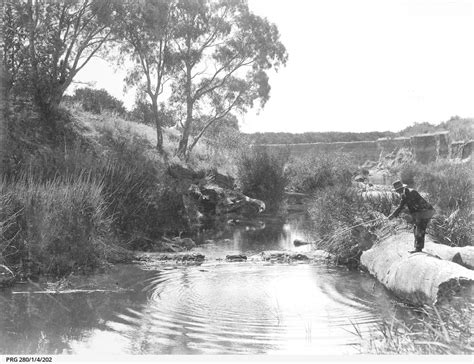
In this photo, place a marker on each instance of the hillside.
(459, 128)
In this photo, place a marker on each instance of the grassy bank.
(56, 227)
(430, 331)
(337, 205)
(80, 190)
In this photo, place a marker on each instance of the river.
(213, 308)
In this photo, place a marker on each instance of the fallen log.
(460, 255)
(417, 278)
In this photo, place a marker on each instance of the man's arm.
(399, 208)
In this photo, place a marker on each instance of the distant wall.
(390, 145)
(426, 148)
(357, 151)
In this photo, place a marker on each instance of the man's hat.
(397, 185)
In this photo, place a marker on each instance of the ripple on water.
(251, 308)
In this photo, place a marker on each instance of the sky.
(358, 65)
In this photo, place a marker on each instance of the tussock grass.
(348, 221)
(432, 331)
(55, 226)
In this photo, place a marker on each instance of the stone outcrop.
(210, 195)
(417, 278)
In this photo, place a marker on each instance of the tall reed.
(55, 226)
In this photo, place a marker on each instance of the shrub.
(263, 175)
(143, 113)
(96, 101)
(314, 172)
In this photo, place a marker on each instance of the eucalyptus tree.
(144, 31)
(224, 53)
(46, 43)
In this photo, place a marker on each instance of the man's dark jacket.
(413, 200)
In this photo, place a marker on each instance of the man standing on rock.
(420, 210)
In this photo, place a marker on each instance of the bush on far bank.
(317, 171)
(263, 175)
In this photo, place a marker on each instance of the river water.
(213, 308)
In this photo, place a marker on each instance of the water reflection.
(47, 323)
(214, 308)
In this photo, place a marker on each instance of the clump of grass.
(348, 221)
(262, 175)
(433, 331)
(314, 172)
(449, 189)
(54, 227)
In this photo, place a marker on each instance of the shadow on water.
(214, 308)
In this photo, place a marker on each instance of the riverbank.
(76, 198)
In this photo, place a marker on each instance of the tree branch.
(216, 117)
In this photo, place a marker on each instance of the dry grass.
(348, 221)
(433, 331)
(53, 227)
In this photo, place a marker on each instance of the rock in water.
(298, 242)
(181, 257)
(236, 258)
(7, 277)
(416, 278)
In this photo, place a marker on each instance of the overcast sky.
(360, 65)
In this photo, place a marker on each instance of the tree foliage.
(142, 112)
(143, 30)
(46, 43)
(96, 101)
(224, 53)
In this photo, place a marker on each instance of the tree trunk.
(417, 278)
(159, 131)
(183, 142)
(3, 110)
